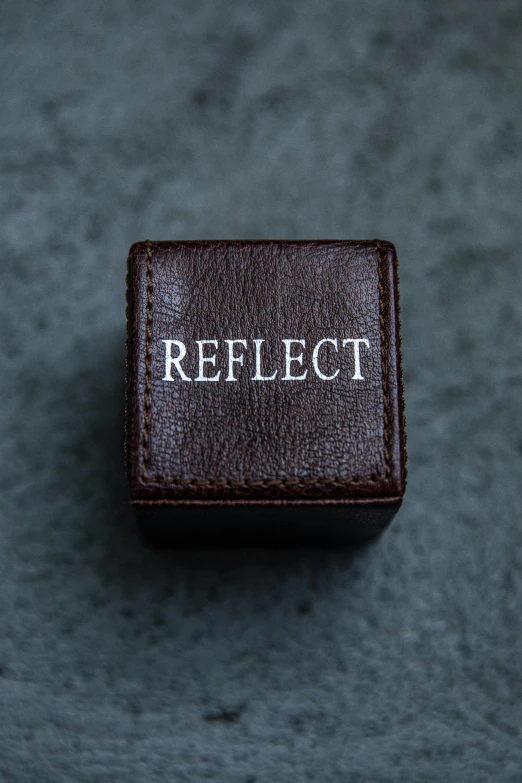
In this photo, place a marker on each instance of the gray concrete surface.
(123, 121)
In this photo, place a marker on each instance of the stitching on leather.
(401, 375)
(250, 483)
(385, 390)
(146, 400)
(127, 279)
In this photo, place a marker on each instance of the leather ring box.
(264, 390)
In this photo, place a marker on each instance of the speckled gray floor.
(125, 120)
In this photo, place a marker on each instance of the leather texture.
(278, 443)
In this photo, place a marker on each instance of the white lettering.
(223, 360)
(289, 359)
(356, 343)
(232, 358)
(170, 360)
(258, 376)
(206, 360)
(315, 355)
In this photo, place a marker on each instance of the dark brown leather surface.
(311, 441)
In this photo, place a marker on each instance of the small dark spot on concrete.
(465, 344)
(275, 98)
(134, 708)
(223, 715)
(438, 21)
(297, 724)
(49, 108)
(96, 601)
(128, 613)
(2, 670)
(496, 70)
(476, 118)
(241, 46)
(159, 620)
(453, 394)
(434, 185)
(94, 229)
(383, 38)
(212, 38)
(200, 97)
(304, 607)
(466, 59)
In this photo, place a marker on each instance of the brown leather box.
(264, 390)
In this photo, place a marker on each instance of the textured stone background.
(131, 120)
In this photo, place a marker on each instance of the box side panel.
(263, 525)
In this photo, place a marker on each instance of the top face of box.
(264, 371)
